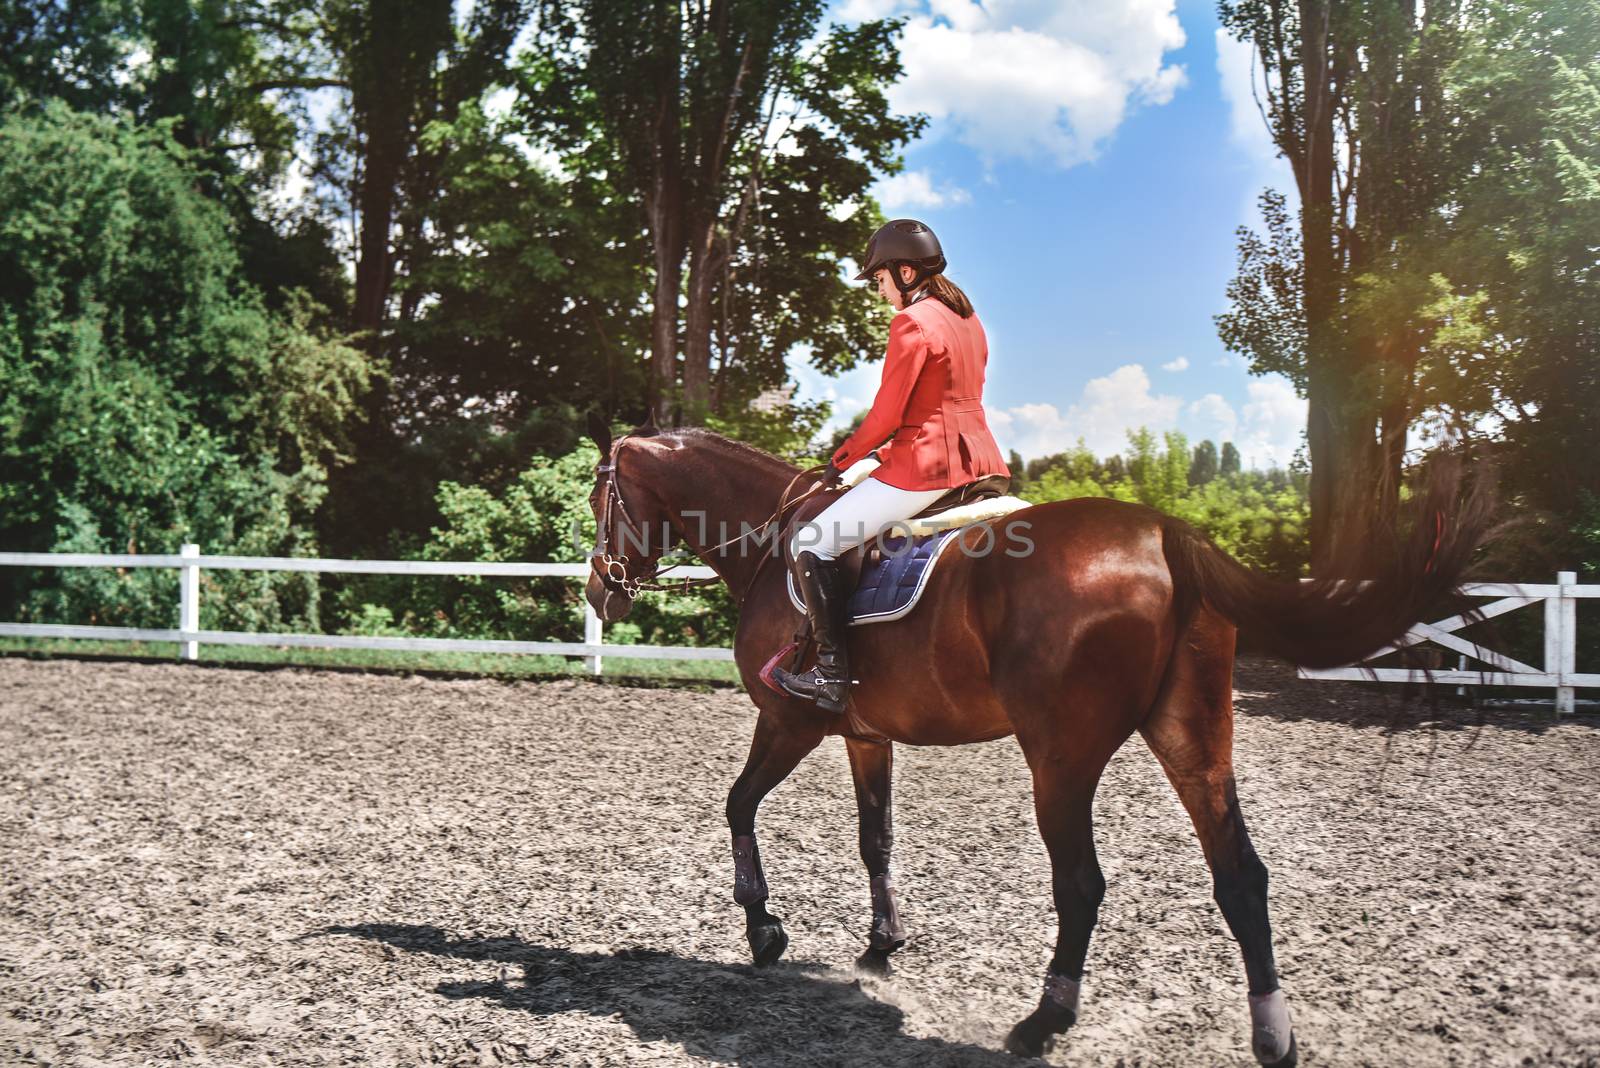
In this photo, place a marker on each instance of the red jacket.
(930, 400)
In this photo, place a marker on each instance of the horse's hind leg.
(1191, 732)
(872, 767)
(775, 751)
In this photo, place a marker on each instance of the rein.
(612, 568)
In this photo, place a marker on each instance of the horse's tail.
(1326, 623)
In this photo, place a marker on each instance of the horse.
(1120, 620)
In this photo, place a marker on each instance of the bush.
(543, 515)
(150, 396)
(1260, 517)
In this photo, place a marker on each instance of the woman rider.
(929, 402)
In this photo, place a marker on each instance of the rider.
(929, 400)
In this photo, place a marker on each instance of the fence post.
(592, 635)
(1567, 654)
(189, 601)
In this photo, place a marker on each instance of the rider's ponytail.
(941, 287)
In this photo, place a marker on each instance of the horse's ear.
(600, 430)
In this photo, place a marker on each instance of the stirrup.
(809, 686)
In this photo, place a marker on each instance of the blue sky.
(1086, 168)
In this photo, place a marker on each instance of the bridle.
(612, 568)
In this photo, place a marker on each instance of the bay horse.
(1120, 620)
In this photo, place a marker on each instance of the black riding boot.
(828, 683)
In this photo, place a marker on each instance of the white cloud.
(1212, 418)
(849, 393)
(914, 189)
(1237, 65)
(1247, 129)
(1033, 78)
(1274, 418)
(868, 10)
(1108, 408)
(1266, 430)
(1180, 364)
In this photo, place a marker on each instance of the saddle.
(985, 488)
(888, 575)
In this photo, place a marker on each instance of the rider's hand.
(832, 476)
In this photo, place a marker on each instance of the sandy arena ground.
(230, 867)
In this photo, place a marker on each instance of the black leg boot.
(828, 683)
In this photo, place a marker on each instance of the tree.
(1525, 243)
(71, 52)
(1160, 472)
(1259, 517)
(1353, 98)
(744, 139)
(405, 63)
(1230, 460)
(150, 396)
(1203, 467)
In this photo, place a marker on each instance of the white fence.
(1560, 599)
(190, 637)
(1560, 670)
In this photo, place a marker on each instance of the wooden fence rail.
(189, 562)
(1560, 669)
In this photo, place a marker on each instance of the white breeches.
(865, 509)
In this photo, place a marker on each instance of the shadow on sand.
(774, 1017)
(1270, 689)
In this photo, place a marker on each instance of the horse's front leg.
(775, 751)
(872, 767)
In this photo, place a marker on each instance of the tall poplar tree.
(1352, 94)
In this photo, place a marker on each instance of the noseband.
(612, 568)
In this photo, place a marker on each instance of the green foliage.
(1266, 318)
(787, 430)
(1529, 75)
(1204, 466)
(1258, 517)
(1230, 459)
(1462, 295)
(150, 396)
(743, 140)
(543, 515)
(1586, 532)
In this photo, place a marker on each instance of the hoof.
(874, 962)
(1288, 1060)
(1037, 1033)
(767, 942)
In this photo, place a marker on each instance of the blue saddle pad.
(891, 586)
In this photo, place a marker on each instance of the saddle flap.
(887, 584)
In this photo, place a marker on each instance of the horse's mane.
(700, 434)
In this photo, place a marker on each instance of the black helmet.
(904, 241)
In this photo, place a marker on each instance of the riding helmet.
(904, 241)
